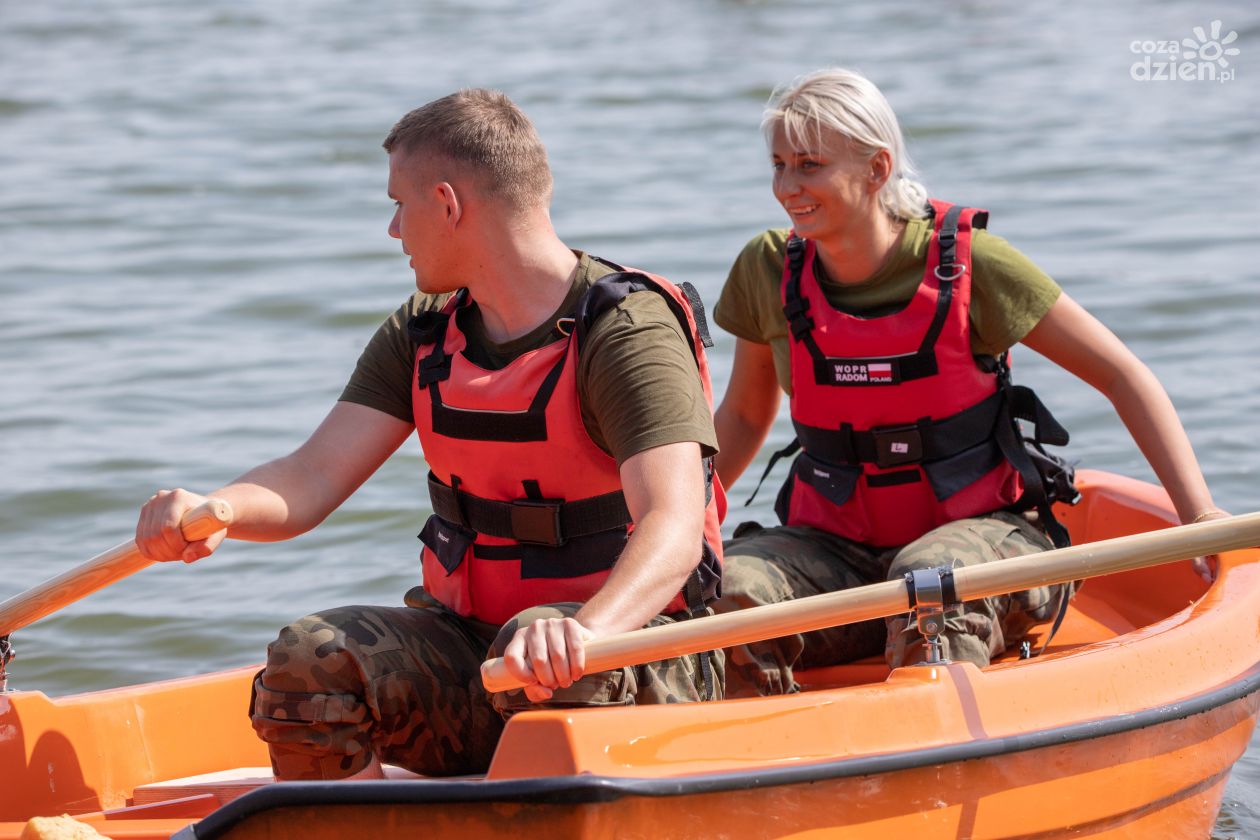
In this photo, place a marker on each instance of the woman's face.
(827, 192)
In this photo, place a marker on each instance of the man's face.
(419, 220)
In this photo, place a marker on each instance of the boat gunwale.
(592, 789)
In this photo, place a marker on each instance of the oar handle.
(207, 518)
(878, 600)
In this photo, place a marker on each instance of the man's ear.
(454, 205)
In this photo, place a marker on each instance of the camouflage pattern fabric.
(771, 565)
(404, 683)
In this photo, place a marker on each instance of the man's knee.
(747, 581)
(964, 542)
(309, 704)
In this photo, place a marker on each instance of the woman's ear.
(881, 169)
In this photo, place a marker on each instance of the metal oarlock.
(6, 655)
(931, 593)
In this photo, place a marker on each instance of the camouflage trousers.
(771, 565)
(404, 684)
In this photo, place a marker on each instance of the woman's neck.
(857, 255)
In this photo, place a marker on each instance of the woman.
(887, 320)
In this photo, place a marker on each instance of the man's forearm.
(661, 553)
(276, 501)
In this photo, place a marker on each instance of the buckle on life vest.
(537, 522)
(897, 445)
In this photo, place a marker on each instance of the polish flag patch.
(880, 372)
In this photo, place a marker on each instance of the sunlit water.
(193, 246)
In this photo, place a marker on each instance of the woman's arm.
(747, 411)
(1079, 343)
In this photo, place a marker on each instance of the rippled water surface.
(193, 246)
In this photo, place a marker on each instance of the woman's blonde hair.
(848, 103)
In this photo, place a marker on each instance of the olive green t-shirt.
(1009, 293)
(637, 380)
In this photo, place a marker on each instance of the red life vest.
(901, 428)
(528, 510)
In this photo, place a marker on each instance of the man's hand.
(548, 654)
(158, 535)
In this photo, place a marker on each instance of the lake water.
(193, 244)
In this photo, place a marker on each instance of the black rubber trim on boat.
(573, 790)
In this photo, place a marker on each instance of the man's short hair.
(486, 134)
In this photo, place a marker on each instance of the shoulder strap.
(430, 328)
(611, 289)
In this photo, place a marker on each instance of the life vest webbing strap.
(947, 241)
(913, 443)
(611, 289)
(786, 452)
(795, 307)
(693, 595)
(1060, 612)
(534, 521)
(505, 426)
(1011, 440)
(697, 312)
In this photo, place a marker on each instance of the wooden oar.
(878, 600)
(102, 570)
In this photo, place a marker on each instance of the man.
(563, 406)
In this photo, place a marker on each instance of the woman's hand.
(1208, 567)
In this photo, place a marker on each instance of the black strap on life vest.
(1022, 404)
(911, 443)
(848, 371)
(786, 452)
(612, 289)
(1060, 612)
(534, 521)
(695, 597)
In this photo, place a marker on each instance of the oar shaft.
(102, 570)
(890, 597)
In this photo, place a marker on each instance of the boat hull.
(1158, 775)
(1126, 727)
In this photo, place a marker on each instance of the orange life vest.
(900, 428)
(528, 510)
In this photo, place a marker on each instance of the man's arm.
(664, 489)
(285, 497)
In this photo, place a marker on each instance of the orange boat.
(1126, 726)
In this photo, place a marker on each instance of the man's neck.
(520, 280)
